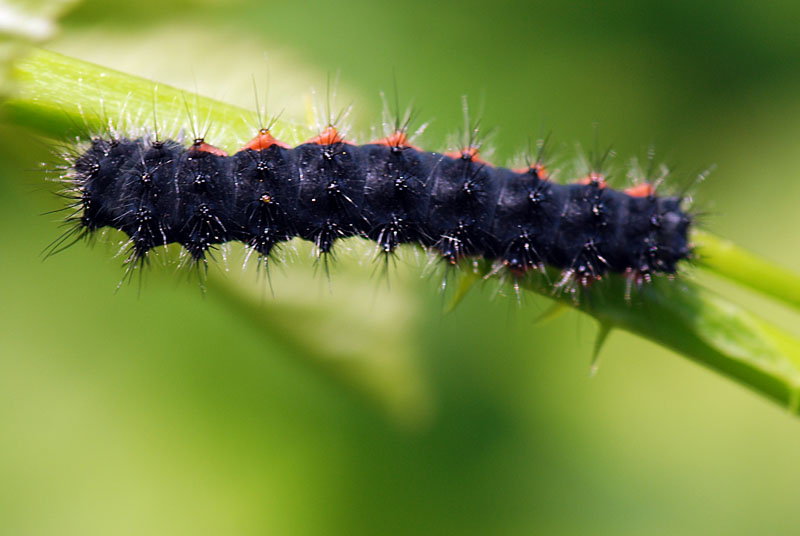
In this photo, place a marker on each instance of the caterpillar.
(160, 192)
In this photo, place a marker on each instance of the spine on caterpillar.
(160, 192)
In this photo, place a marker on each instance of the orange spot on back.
(398, 139)
(263, 140)
(329, 136)
(470, 153)
(202, 147)
(641, 190)
(540, 170)
(593, 178)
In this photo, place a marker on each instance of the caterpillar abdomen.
(160, 192)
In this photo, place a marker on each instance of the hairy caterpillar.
(160, 192)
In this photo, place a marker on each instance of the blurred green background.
(362, 410)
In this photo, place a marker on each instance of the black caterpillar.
(160, 192)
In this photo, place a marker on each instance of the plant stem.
(726, 259)
(62, 97)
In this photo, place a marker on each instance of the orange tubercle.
(329, 136)
(263, 140)
(469, 153)
(641, 190)
(200, 146)
(540, 170)
(593, 178)
(398, 139)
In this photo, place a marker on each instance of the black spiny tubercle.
(160, 192)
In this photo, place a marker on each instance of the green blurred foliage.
(173, 412)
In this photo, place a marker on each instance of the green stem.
(726, 259)
(711, 330)
(692, 321)
(61, 97)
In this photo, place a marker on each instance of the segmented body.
(161, 192)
